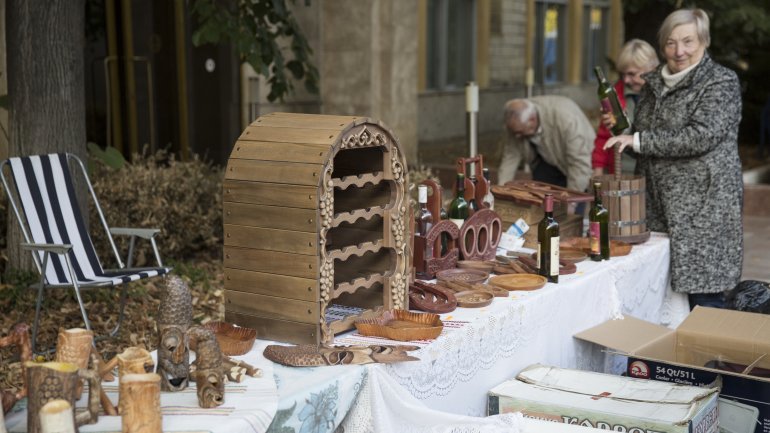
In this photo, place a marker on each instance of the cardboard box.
(698, 352)
(607, 402)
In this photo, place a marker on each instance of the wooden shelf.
(358, 180)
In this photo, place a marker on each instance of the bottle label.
(554, 256)
(607, 108)
(422, 194)
(458, 222)
(594, 233)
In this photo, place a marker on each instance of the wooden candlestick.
(56, 416)
(140, 403)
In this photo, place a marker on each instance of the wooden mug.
(74, 346)
(140, 403)
(59, 380)
(56, 417)
(134, 360)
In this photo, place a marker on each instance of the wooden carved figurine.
(309, 355)
(19, 336)
(174, 318)
(140, 403)
(56, 417)
(208, 374)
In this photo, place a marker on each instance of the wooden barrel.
(624, 197)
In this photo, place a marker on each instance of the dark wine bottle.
(444, 237)
(548, 243)
(608, 99)
(422, 225)
(472, 205)
(458, 208)
(598, 227)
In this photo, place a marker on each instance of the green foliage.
(111, 157)
(256, 28)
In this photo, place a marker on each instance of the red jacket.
(601, 158)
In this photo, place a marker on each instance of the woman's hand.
(623, 140)
(608, 120)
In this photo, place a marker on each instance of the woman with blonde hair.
(637, 57)
(685, 134)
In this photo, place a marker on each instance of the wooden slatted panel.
(274, 262)
(643, 203)
(290, 135)
(261, 283)
(274, 172)
(275, 194)
(287, 241)
(275, 217)
(274, 307)
(273, 151)
(614, 207)
(625, 206)
(277, 330)
(306, 121)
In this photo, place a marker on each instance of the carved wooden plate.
(518, 281)
(474, 299)
(617, 248)
(402, 325)
(469, 276)
(484, 266)
(233, 340)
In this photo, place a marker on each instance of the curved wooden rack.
(355, 215)
(359, 283)
(358, 250)
(359, 180)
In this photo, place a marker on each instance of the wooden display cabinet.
(315, 226)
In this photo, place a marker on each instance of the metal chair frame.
(64, 249)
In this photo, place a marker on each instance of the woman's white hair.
(699, 17)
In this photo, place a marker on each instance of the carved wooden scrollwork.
(480, 235)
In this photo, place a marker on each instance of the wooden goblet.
(140, 403)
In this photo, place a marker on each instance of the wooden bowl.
(470, 276)
(233, 340)
(512, 282)
(474, 298)
(402, 325)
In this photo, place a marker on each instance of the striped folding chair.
(55, 233)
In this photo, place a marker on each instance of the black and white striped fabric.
(47, 195)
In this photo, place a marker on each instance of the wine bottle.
(423, 223)
(489, 198)
(598, 227)
(444, 238)
(473, 206)
(548, 243)
(458, 208)
(608, 99)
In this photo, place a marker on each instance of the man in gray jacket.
(552, 136)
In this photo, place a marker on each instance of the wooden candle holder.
(140, 403)
(56, 417)
(75, 346)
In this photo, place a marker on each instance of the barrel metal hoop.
(623, 193)
(627, 223)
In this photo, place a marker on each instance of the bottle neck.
(597, 195)
(548, 206)
(460, 186)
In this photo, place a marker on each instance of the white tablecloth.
(480, 348)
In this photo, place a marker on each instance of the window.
(451, 43)
(550, 46)
(595, 23)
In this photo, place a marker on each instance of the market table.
(480, 348)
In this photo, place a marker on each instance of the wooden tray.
(233, 340)
(402, 325)
(518, 281)
(474, 299)
(617, 248)
(479, 265)
(469, 276)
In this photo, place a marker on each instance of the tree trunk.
(45, 41)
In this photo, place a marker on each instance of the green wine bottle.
(548, 243)
(598, 227)
(458, 208)
(608, 99)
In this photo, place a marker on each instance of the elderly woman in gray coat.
(686, 132)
